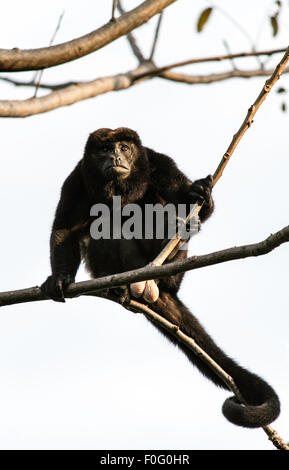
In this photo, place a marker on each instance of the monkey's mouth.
(117, 169)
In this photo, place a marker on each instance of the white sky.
(88, 374)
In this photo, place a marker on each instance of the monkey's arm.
(177, 188)
(64, 240)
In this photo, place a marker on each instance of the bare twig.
(31, 83)
(227, 47)
(241, 28)
(218, 58)
(131, 39)
(35, 59)
(156, 36)
(236, 23)
(215, 77)
(251, 113)
(174, 243)
(33, 294)
(50, 44)
(113, 10)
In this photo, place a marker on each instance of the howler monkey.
(115, 163)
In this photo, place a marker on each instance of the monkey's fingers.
(59, 289)
(55, 285)
(151, 292)
(147, 289)
(122, 294)
(137, 288)
(52, 289)
(200, 190)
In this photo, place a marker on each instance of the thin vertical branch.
(156, 36)
(50, 44)
(131, 39)
(240, 27)
(229, 52)
(113, 10)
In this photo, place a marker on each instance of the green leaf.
(284, 107)
(203, 18)
(274, 24)
(281, 90)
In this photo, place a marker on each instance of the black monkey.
(116, 163)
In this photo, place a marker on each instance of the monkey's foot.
(146, 289)
(122, 294)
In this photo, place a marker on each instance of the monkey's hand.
(201, 192)
(55, 285)
(146, 289)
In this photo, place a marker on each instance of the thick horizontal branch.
(33, 59)
(69, 93)
(153, 272)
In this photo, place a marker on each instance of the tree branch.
(50, 44)
(33, 294)
(34, 59)
(251, 113)
(156, 36)
(113, 10)
(69, 93)
(177, 242)
(218, 58)
(158, 70)
(216, 77)
(31, 83)
(131, 39)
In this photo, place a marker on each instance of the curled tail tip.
(251, 416)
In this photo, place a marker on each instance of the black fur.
(146, 177)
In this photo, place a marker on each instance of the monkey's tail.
(262, 406)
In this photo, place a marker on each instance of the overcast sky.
(89, 374)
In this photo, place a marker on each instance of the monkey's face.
(114, 156)
(115, 159)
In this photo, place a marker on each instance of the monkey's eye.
(124, 147)
(105, 149)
